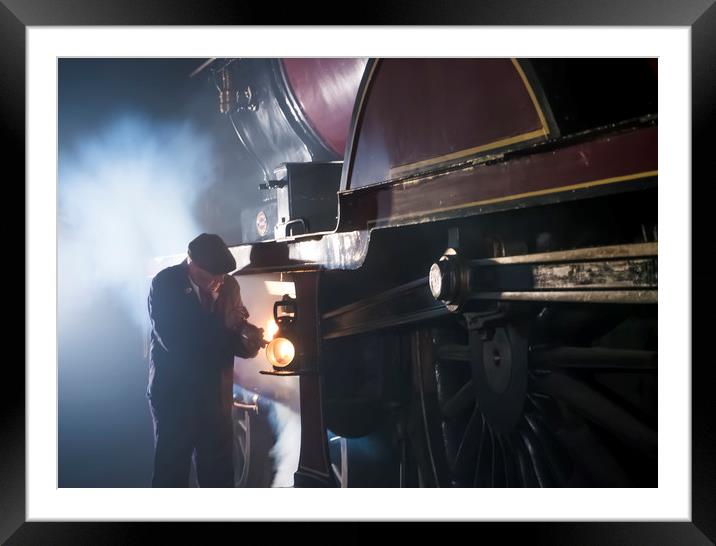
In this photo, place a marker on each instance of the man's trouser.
(202, 429)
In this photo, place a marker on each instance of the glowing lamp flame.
(280, 352)
(271, 328)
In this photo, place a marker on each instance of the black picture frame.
(699, 15)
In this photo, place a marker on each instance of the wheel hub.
(498, 355)
(497, 361)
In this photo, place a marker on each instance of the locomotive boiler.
(473, 244)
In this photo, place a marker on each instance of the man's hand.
(253, 339)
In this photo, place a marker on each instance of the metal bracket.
(247, 407)
(489, 319)
(272, 184)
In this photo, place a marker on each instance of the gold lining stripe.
(401, 169)
(532, 95)
(544, 131)
(581, 185)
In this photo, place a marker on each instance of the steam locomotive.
(473, 245)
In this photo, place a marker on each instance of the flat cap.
(210, 252)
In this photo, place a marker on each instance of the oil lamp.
(281, 350)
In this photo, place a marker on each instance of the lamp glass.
(280, 352)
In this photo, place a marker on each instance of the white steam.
(285, 452)
(126, 195)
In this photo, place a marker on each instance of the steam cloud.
(285, 452)
(125, 196)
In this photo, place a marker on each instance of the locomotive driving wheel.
(559, 396)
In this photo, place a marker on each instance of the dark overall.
(190, 385)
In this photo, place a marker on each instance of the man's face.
(204, 279)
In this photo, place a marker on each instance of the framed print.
(146, 127)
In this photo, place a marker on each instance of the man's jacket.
(191, 351)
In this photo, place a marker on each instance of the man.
(198, 325)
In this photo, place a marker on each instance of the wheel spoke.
(557, 463)
(500, 475)
(240, 460)
(493, 461)
(467, 452)
(453, 353)
(538, 400)
(598, 462)
(461, 401)
(600, 410)
(580, 456)
(241, 424)
(594, 358)
(526, 470)
(482, 468)
(511, 477)
(535, 458)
